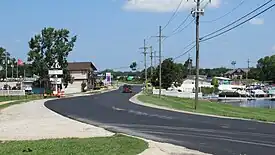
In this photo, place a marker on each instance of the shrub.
(207, 90)
(83, 85)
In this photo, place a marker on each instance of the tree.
(171, 73)
(265, 69)
(3, 62)
(133, 66)
(215, 83)
(50, 45)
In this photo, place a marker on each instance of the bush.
(83, 85)
(207, 90)
(49, 91)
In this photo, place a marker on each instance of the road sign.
(55, 72)
(56, 65)
(56, 80)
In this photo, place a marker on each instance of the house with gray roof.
(238, 73)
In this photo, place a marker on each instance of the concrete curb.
(136, 101)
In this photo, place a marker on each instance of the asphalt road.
(114, 112)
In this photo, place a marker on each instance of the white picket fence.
(12, 92)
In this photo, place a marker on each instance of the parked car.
(127, 89)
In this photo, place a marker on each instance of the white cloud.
(257, 21)
(164, 5)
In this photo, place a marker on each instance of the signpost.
(108, 78)
(55, 71)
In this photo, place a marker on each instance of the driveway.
(115, 112)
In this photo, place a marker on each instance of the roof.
(77, 66)
(237, 70)
(193, 77)
(222, 78)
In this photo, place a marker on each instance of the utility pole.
(160, 36)
(155, 59)
(145, 67)
(196, 13)
(189, 64)
(248, 66)
(151, 56)
(6, 59)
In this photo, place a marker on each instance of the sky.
(110, 32)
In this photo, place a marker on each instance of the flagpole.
(12, 71)
(17, 69)
(6, 66)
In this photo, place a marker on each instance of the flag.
(20, 62)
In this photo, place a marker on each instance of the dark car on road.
(127, 88)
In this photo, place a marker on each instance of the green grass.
(115, 145)
(11, 98)
(213, 108)
(17, 100)
(132, 82)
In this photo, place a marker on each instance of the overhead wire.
(173, 15)
(185, 52)
(206, 39)
(203, 40)
(171, 18)
(231, 11)
(237, 19)
(176, 31)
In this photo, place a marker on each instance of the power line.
(171, 18)
(174, 14)
(203, 40)
(183, 22)
(237, 20)
(235, 8)
(185, 52)
(174, 33)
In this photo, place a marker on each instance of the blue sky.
(110, 32)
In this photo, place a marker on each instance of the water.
(262, 103)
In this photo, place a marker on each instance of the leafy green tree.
(215, 83)
(265, 69)
(171, 72)
(50, 45)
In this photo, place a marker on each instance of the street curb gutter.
(136, 101)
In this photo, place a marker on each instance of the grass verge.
(117, 144)
(212, 108)
(18, 100)
(12, 98)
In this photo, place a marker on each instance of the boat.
(258, 93)
(272, 98)
(271, 91)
